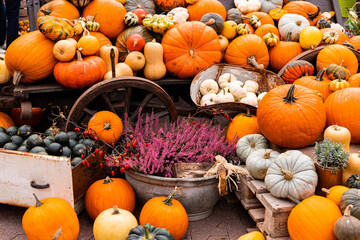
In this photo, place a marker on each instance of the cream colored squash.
(121, 70)
(352, 167)
(258, 162)
(249, 144)
(179, 15)
(246, 6)
(339, 135)
(224, 43)
(267, 5)
(260, 96)
(209, 86)
(225, 80)
(236, 90)
(250, 99)
(224, 96)
(292, 23)
(5, 76)
(155, 68)
(64, 50)
(105, 55)
(208, 99)
(136, 60)
(337, 26)
(251, 86)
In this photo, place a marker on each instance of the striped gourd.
(334, 71)
(131, 19)
(297, 69)
(80, 3)
(330, 37)
(92, 25)
(55, 28)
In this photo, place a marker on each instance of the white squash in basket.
(236, 90)
(208, 99)
(260, 96)
(246, 6)
(224, 96)
(250, 99)
(209, 86)
(251, 86)
(225, 80)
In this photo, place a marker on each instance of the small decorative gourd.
(234, 14)
(271, 39)
(225, 80)
(310, 37)
(149, 232)
(236, 89)
(241, 125)
(335, 193)
(79, 26)
(260, 96)
(208, 99)
(135, 60)
(334, 71)
(106, 56)
(258, 162)
(292, 174)
(250, 98)
(339, 135)
(322, 23)
(209, 86)
(242, 29)
(254, 21)
(255, 235)
(179, 15)
(4, 73)
(64, 50)
(92, 25)
(130, 19)
(347, 227)
(155, 68)
(351, 196)
(338, 84)
(224, 43)
(354, 181)
(229, 30)
(277, 13)
(88, 45)
(330, 37)
(224, 96)
(251, 86)
(352, 167)
(55, 28)
(248, 144)
(246, 6)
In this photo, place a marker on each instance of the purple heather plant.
(153, 148)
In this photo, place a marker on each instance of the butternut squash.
(136, 60)
(64, 50)
(105, 55)
(154, 68)
(121, 70)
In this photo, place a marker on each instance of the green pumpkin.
(322, 23)
(25, 131)
(130, 19)
(149, 232)
(214, 21)
(351, 196)
(34, 140)
(353, 181)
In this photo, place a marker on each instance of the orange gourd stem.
(78, 55)
(168, 200)
(38, 202)
(290, 98)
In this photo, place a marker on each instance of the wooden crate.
(23, 14)
(19, 169)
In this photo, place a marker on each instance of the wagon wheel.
(120, 95)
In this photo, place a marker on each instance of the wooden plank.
(23, 12)
(22, 4)
(248, 230)
(275, 224)
(260, 226)
(277, 238)
(257, 214)
(251, 203)
(274, 204)
(257, 186)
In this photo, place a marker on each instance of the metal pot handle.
(39, 186)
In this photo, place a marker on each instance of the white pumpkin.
(225, 80)
(260, 96)
(250, 99)
(4, 73)
(292, 174)
(337, 26)
(292, 23)
(258, 162)
(209, 86)
(224, 96)
(178, 14)
(208, 99)
(251, 86)
(246, 6)
(236, 90)
(267, 5)
(249, 144)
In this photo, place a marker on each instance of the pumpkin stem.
(319, 75)
(336, 128)
(154, 40)
(46, 12)
(312, 16)
(107, 125)
(147, 235)
(78, 54)
(290, 98)
(252, 61)
(288, 37)
(252, 144)
(112, 59)
(325, 190)
(287, 175)
(248, 114)
(349, 45)
(94, 17)
(57, 234)
(298, 22)
(191, 52)
(17, 77)
(115, 210)
(107, 180)
(210, 22)
(348, 209)
(294, 200)
(38, 202)
(267, 155)
(168, 200)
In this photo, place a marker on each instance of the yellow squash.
(353, 167)
(4, 73)
(155, 68)
(339, 135)
(255, 235)
(310, 37)
(105, 55)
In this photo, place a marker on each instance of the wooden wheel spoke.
(107, 102)
(161, 114)
(127, 100)
(89, 111)
(144, 102)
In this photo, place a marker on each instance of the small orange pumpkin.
(354, 80)
(263, 17)
(5, 120)
(335, 193)
(355, 41)
(267, 28)
(202, 7)
(241, 125)
(342, 36)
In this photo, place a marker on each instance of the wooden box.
(20, 172)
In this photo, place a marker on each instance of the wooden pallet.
(269, 213)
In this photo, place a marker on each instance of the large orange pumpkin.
(110, 14)
(202, 7)
(103, 40)
(291, 116)
(36, 117)
(46, 217)
(166, 212)
(263, 17)
(241, 125)
(354, 80)
(336, 54)
(305, 9)
(30, 58)
(106, 125)
(342, 36)
(313, 219)
(5, 120)
(248, 50)
(342, 109)
(355, 41)
(168, 5)
(190, 47)
(267, 28)
(60, 9)
(109, 192)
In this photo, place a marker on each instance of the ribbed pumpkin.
(297, 69)
(342, 109)
(29, 58)
(109, 192)
(248, 50)
(110, 15)
(354, 80)
(313, 219)
(81, 72)
(189, 48)
(80, 3)
(241, 125)
(59, 8)
(267, 28)
(263, 17)
(46, 217)
(5, 121)
(168, 5)
(305, 9)
(355, 41)
(165, 212)
(335, 193)
(342, 36)
(351, 196)
(291, 116)
(337, 54)
(202, 7)
(316, 83)
(334, 71)
(283, 52)
(55, 28)
(144, 5)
